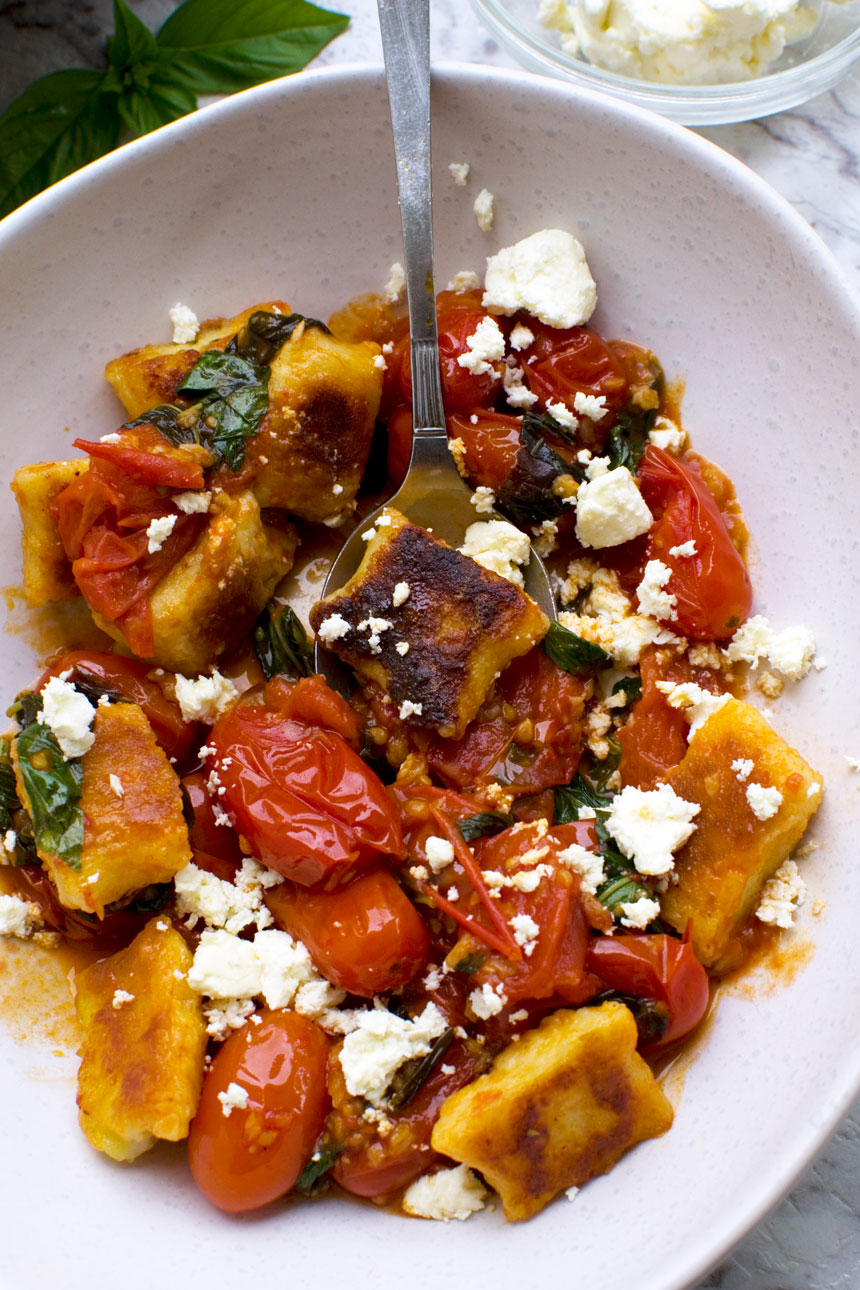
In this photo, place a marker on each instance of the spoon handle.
(405, 27)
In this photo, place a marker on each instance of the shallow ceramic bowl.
(289, 190)
(805, 68)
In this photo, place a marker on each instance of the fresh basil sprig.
(53, 789)
(69, 118)
(573, 653)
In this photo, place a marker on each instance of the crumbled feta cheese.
(396, 284)
(336, 489)
(545, 537)
(464, 280)
(526, 932)
(592, 406)
(68, 714)
(498, 546)
(222, 904)
(781, 896)
(400, 595)
(696, 704)
(571, 1193)
(790, 651)
(158, 532)
(588, 864)
(375, 626)
(110, 438)
(205, 698)
(119, 998)
(517, 394)
(402, 647)
(610, 509)
(562, 415)
(195, 502)
(521, 336)
(459, 172)
(764, 800)
(743, 768)
(666, 435)
(483, 499)
(683, 549)
(853, 764)
(451, 1193)
(18, 917)
(653, 599)
(380, 1044)
(486, 1002)
(185, 324)
(273, 967)
(650, 826)
(639, 913)
(483, 208)
(545, 274)
(334, 627)
(232, 1097)
(485, 346)
(409, 709)
(380, 363)
(439, 853)
(10, 840)
(116, 785)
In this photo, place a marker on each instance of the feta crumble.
(764, 800)
(485, 346)
(195, 502)
(588, 864)
(526, 932)
(185, 324)
(650, 826)
(743, 768)
(333, 629)
(545, 274)
(498, 546)
(454, 1193)
(486, 1002)
(781, 896)
(439, 853)
(592, 406)
(790, 651)
(18, 917)
(459, 172)
(119, 998)
(116, 785)
(158, 531)
(484, 210)
(464, 280)
(205, 698)
(639, 913)
(68, 714)
(233, 1097)
(409, 709)
(373, 1052)
(683, 549)
(696, 704)
(400, 594)
(611, 510)
(233, 906)
(396, 284)
(521, 336)
(483, 499)
(653, 599)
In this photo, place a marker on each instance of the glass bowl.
(807, 67)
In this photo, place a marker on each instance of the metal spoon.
(433, 495)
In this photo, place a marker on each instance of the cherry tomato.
(367, 937)
(146, 456)
(399, 443)
(563, 362)
(311, 700)
(118, 926)
(206, 836)
(306, 802)
(376, 1165)
(131, 678)
(254, 1154)
(711, 587)
(529, 734)
(656, 967)
(491, 441)
(458, 317)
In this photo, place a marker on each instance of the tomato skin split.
(253, 1155)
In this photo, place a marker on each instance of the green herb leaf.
(309, 1179)
(151, 92)
(60, 122)
(621, 881)
(148, 900)
(471, 963)
(264, 333)
(632, 687)
(483, 825)
(53, 789)
(570, 797)
(628, 440)
(281, 644)
(218, 46)
(412, 1075)
(527, 495)
(168, 421)
(26, 708)
(233, 398)
(573, 653)
(652, 1019)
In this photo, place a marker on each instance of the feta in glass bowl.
(538, 33)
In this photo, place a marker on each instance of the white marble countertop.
(811, 1241)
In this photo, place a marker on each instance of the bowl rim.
(806, 1139)
(724, 103)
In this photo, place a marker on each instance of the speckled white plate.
(289, 190)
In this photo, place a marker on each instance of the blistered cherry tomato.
(656, 967)
(131, 678)
(563, 362)
(491, 441)
(252, 1155)
(208, 838)
(367, 937)
(306, 802)
(459, 315)
(311, 700)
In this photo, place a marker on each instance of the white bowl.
(289, 190)
(805, 68)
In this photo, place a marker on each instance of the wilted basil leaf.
(527, 496)
(483, 825)
(264, 333)
(53, 789)
(281, 644)
(168, 421)
(573, 653)
(628, 440)
(26, 708)
(632, 687)
(233, 398)
(317, 1167)
(412, 1075)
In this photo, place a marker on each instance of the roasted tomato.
(458, 315)
(306, 802)
(131, 679)
(367, 937)
(491, 441)
(399, 442)
(563, 362)
(248, 1150)
(659, 968)
(215, 846)
(711, 586)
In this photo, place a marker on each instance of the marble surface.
(811, 155)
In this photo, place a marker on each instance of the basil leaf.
(526, 496)
(53, 789)
(8, 791)
(281, 644)
(570, 797)
(632, 687)
(148, 900)
(26, 708)
(412, 1075)
(628, 440)
(60, 122)
(573, 653)
(652, 1019)
(483, 825)
(469, 964)
(149, 92)
(233, 402)
(218, 46)
(169, 422)
(542, 424)
(318, 1165)
(264, 333)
